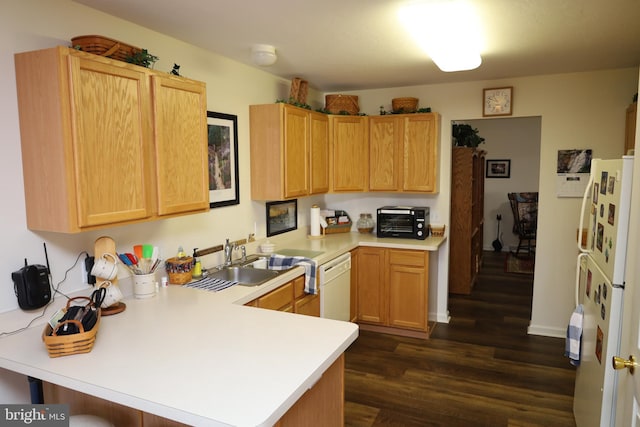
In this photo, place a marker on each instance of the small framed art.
(282, 217)
(498, 169)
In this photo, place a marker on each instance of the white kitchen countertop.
(202, 358)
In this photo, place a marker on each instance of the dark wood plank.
(481, 369)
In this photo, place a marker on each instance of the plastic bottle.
(196, 273)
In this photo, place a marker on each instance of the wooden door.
(385, 151)
(349, 142)
(319, 151)
(181, 153)
(110, 134)
(372, 293)
(420, 155)
(408, 289)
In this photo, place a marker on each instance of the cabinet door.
(408, 279)
(385, 142)
(108, 109)
(372, 299)
(180, 126)
(349, 142)
(296, 155)
(319, 150)
(420, 156)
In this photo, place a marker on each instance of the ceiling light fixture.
(263, 55)
(447, 30)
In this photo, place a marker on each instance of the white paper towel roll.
(314, 220)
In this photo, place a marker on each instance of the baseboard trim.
(546, 331)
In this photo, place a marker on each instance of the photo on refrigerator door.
(600, 237)
(612, 214)
(612, 184)
(596, 190)
(589, 277)
(599, 340)
(603, 182)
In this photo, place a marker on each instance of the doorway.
(512, 143)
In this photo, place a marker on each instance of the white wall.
(576, 109)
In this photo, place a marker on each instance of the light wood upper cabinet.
(349, 153)
(289, 152)
(420, 156)
(385, 152)
(182, 173)
(97, 144)
(319, 147)
(404, 152)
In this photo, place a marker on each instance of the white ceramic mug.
(112, 296)
(105, 267)
(144, 285)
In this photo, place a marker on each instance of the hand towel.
(573, 343)
(281, 262)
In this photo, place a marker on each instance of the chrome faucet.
(228, 252)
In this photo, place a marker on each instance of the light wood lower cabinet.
(392, 289)
(290, 297)
(321, 405)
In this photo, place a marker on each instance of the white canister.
(144, 285)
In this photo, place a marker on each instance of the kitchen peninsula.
(203, 358)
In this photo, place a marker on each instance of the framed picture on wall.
(498, 168)
(282, 217)
(222, 134)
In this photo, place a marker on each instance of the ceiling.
(340, 45)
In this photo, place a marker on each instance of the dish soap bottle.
(196, 273)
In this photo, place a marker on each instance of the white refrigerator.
(600, 288)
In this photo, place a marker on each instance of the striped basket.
(341, 104)
(104, 46)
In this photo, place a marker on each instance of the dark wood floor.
(481, 369)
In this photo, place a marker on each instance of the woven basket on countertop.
(340, 104)
(179, 270)
(65, 345)
(104, 46)
(404, 105)
(437, 230)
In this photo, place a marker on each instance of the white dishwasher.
(335, 288)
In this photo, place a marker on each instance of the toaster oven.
(403, 221)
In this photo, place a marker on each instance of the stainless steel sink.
(244, 275)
